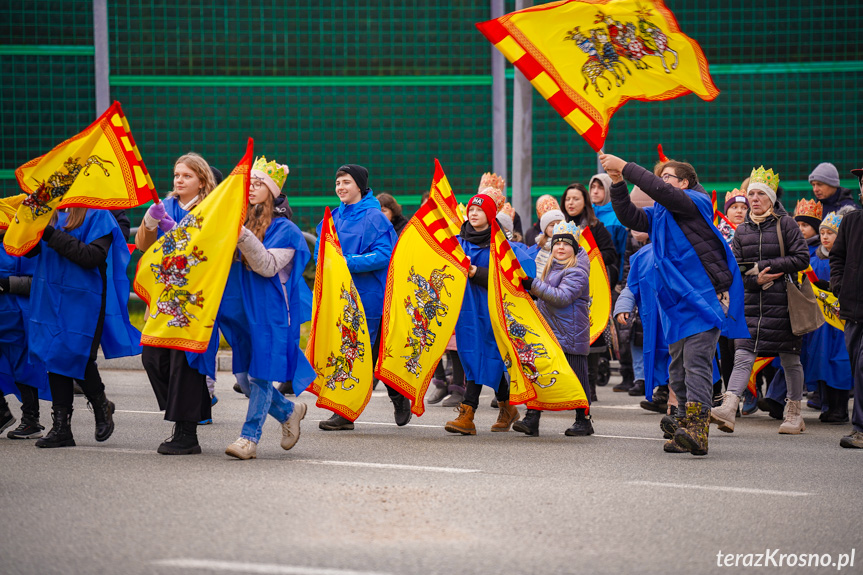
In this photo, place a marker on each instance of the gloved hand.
(754, 271)
(527, 283)
(48, 232)
(167, 223)
(157, 212)
(4, 286)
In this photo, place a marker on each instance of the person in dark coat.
(846, 282)
(757, 244)
(827, 189)
(393, 211)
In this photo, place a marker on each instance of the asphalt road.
(418, 500)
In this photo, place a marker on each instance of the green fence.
(393, 86)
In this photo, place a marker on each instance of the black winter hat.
(358, 173)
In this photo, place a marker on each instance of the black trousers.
(376, 347)
(578, 363)
(29, 403)
(180, 390)
(62, 393)
(474, 389)
(458, 381)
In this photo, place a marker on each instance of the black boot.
(103, 410)
(402, 410)
(582, 426)
(530, 424)
(184, 440)
(61, 433)
(773, 408)
(6, 417)
(659, 403)
(637, 388)
(671, 422)
(837, 406)
(336, 423)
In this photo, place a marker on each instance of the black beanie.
(358, 173)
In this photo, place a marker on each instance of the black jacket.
(399, 223)
(846, 267)
(697, 230)
(843, 197)
(767, 309)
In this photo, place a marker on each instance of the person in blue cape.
(260, 313)
(367, 238)
(599, 189)
(179, 378)
(697, 283)
(20, 375)
(475, 339)
(78, 301)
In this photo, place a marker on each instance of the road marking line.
(262, 568)
(133, 411)
(630, 437)
(722, 488)
(389, 466)
(113, 449)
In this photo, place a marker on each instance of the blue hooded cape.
(367, 238)
(15, 366)
(640, 282)
(686, 297)
(204, 363)
(66, 299)
(261, 318)
(619, 233)
(474, 336)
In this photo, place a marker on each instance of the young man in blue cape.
(697, 283)
(367, 238)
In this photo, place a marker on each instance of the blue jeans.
(263, 399)
(638, 363)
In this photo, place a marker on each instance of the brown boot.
(463, 423)
(692, 436)
(507, 415)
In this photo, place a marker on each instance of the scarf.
(481, 239)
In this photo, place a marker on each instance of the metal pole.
(100, 43)
(498, 101)
(522, 139)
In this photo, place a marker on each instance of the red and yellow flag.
(589, 57)
(540, 376)
(828, 302)
(425, 287)
(8, 209)
(98, 168)
(600, 287)
(182, 276)
(339, 348)
(759, 364)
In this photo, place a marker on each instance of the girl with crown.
(563, 291)
(179, 378)
(260, 314)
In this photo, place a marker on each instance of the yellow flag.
(587, 58)
(425, 287)
(98, 168)
(182, 276)
(339, 348)
(759, 364)
(8, 209)
(540, 376)
(600, 289)
(828, 302)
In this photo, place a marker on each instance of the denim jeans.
(263, 399)
(638, 362)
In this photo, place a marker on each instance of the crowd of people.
(696, 304)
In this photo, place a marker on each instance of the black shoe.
(494, 404)
(659, 403)
(103, 410)
(833, 417)
(286, 388)
(184, 440)
(27, 430)
(336, 423)
(61, 432)
(6, 419)
(438, 392)
(603, 372)
(582, 426)
(530, 424)
(237, 388)
(455, 398)
(637, 389)
(402, 410)
(669, 424)
(773, 408)
(623, 386)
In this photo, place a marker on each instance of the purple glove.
(167, 223)
(157, 212)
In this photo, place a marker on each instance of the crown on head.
(546, 203)
(809, 208)
(764, 177)
(735, 193)
(508, 210)
(832, 221)
(278, 172)
(491, 180)
(566, 228)
(497, 197)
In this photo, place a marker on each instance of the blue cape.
(639, 282)
(687, 300)
(261, 318)
(367, 238)
(618, 231)
(66, 299)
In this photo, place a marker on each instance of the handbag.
(803, 308)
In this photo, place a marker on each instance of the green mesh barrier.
(47, 22)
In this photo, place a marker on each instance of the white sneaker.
(291, 428)
(243, 449)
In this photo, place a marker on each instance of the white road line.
(722, 488)
(388, 466)
(113, 449)
(133, 411)
(262, 568)
(630, 437)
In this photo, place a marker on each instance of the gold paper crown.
(809, 208)
(764, 177)
(490, 180)
(735, 193)
(566, 228)
(278, 172)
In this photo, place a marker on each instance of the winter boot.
(184, 440)
(837, 407)
(582, 426)
(456, 396)
(103, 410)
(637, 389)
(793, 424)
(671, 446)
(439, 391)
(505, 417)
(6, 418)
(530, 424)
(464, 422)
(853, 440)
(724, 415)
(623, 386)
(772, 407)
(242, 448)
(693, 436)
(659, 403)
(61, 433)
(336, 423)
(671, 422)
(401, 410)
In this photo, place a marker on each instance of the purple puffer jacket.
(564, 301)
